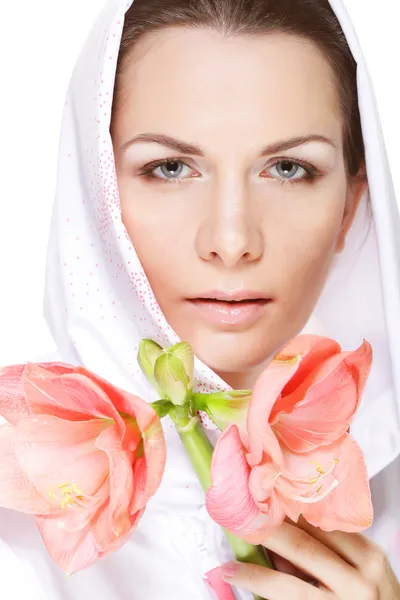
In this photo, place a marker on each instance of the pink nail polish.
(229, 569)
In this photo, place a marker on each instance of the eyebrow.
(186, 148)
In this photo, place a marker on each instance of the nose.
(231, 231)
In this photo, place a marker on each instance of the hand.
(344, 566)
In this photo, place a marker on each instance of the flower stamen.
(315, 497)
(71, 495)
(313, 482)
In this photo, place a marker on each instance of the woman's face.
(237, 229)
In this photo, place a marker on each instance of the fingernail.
(229, 569)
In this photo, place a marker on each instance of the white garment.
(99, 306)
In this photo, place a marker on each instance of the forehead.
(181, 78)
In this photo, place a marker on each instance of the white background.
(39, 43)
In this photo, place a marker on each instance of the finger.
(351, 547)
(284, 566)
(359, 551)
(270, 584)
(314, 558)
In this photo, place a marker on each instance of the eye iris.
(171, 167)
(287, 168)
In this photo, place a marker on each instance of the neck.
(242, 380)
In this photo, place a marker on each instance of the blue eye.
(287, 170)
(170, 168)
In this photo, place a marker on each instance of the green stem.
(196, 444)
(199, 449)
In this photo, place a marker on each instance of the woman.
(249, 112)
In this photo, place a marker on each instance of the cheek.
(306, 252)
(159, 241)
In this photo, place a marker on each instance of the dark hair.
(311, 19)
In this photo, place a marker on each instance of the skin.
(235, 221)
(343, 566)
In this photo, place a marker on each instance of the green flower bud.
(172, 379)
(148, 353)
(184, 352)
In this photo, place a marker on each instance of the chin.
(232, 352)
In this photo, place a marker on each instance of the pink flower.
(296, 455)
(79, 453)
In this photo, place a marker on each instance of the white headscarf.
(98, 302)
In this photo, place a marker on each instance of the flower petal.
(73, 395)
(262, 487)
(229, 501)
(139, 496)
(16, 490)
(77, 517)
(262, 481)
(53, 452)
(76, 550)
(125, 402)
(58, 368)
(314, 350)
(120, 479)
(271, 516)
(349, 506)
(155, 456)
(107, 539)
(328, 486)
(12, 402)
(324, 405)
(359, 363)
(72, 551)
(308, 475)
(150, 469)
(266, 391)
(291, 508)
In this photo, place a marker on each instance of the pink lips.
(239, 309)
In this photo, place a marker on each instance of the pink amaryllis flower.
(80, 454)
(296, 455)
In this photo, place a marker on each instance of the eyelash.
(311, 172)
